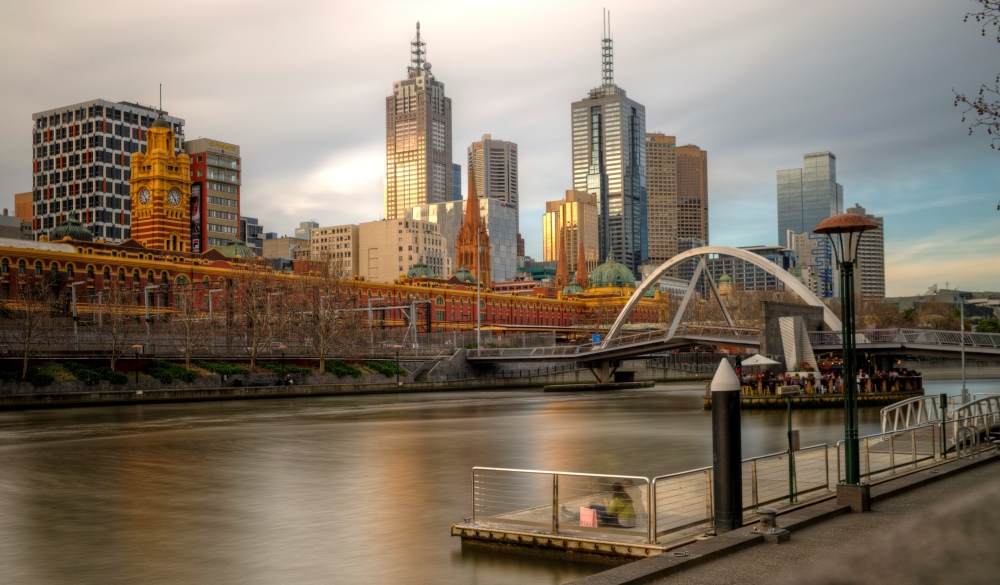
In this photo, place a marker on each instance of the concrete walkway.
(935, 526)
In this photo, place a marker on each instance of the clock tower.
(161, 191)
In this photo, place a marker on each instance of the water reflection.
(354, 489)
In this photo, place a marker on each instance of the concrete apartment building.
(418, 138)
(870, 279)
(81, 164)
(574, 219)
(283, 248)
(215, 193)
(389, 248)
(337, 245)
(676, 195)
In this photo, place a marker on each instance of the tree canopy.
(983, 108)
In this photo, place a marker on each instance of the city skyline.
(757, 88)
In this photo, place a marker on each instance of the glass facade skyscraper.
(609, 158)
(808, 195)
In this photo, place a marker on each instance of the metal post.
(100, 308)
(852, 461)
(965, 391)
(726, 450)
(943, 407)
(479, 284)
(76, 333)
(137, 348)
(555, 503)
(210, 293)
(398, 383)
(791, 455)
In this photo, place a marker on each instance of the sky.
(301, 87)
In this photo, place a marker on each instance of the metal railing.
(551, 500)
(918, 336)
(886, 453)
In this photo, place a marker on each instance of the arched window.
(164, 278)
(438, 301)
(150, 277)
(90, 272)
(21, 266)
(181, 280)
(38, 268)
(107, 273)
(135, 277)
(69, 271)
(121, 275)
(4, 266)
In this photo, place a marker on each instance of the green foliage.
(40, 376)
(988, 326)
(470, 345)
(90, 376)
(113, 376)
(284, 370)
(386, 368)
(10, 376)
(222, 368)
(167, 372)
(339, 368)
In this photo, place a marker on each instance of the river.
(357, 489)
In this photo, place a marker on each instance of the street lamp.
(137, 348)
(284, 374)
(845, 233)
(398, 383)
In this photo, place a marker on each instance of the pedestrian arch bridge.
(602, 357)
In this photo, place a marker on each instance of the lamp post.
(282, 349)
(76, 333)
(398, 383)
(210, 293)
(845, 233)
(137, 348)
(145, 298)
(479, 284)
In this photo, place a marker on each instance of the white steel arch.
(771, 268)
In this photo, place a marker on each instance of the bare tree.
(331, 319)
(259, 307)
(120, 322)
(26, 318)
(190, 326)
(983, 109)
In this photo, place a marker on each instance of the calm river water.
(328, 490)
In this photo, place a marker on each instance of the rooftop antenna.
(607, 52)
(417, 53)
(161, 100)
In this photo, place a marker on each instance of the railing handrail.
(570, 473)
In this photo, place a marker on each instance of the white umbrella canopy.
(759, 360)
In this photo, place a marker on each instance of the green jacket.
(622, 508)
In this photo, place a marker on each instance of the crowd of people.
(830, 382)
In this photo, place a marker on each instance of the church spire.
(472, 247)
(562, 270)
(581, 266)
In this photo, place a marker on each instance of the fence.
(557, 501)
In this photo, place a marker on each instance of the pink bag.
(588, 517)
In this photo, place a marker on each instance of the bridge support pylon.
(604, 371)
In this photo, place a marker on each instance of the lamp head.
(845, 231)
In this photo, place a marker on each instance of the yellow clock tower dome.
(161, 191)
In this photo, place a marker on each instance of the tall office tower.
(417, 138)
(574, 219)
(251, 233)
(677, 196)
(609, 158)
(871, 257)
(494, 164)
(814, 262)
(808, 195)
(82, 164)
(215, 193)
(456, 182)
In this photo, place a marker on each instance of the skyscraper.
(572, 220)
(609, 157)
(418, 138)
(81, 158)
(677, 196)
(494, 164)
(808, 195)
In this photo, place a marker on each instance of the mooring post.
(727, 488)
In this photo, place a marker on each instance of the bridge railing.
(912, 336)
(884, 454)
(551, 501)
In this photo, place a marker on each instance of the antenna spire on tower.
(161, 99)
(417, 52)
(607, 53)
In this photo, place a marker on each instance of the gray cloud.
(301, 87)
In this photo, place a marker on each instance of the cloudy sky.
(301, 87)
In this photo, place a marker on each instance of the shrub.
(284, 370)
(386, 368)
(222, 368)
(113, 376)
(167, 372)
(339, 368)
(83, 373)
(39, 377)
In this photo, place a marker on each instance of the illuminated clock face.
(174, 197)
(144, 196)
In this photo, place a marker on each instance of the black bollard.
(727, 483)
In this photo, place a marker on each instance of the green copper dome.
(420, 270)
(237, 249)
(612, 273)
(73, 229)
(465, 275)
(725, 278)
(573, 288)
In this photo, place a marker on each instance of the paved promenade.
(919, 531)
